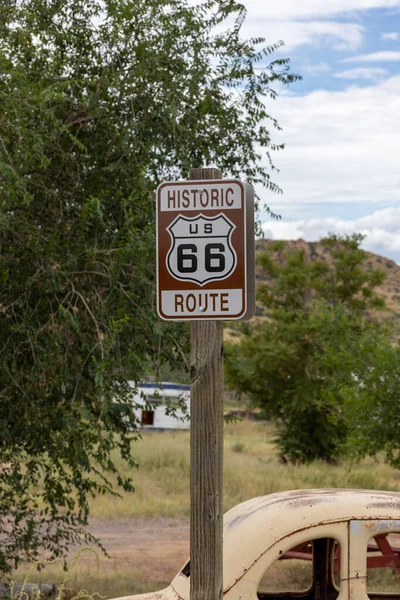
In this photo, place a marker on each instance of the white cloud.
(309, 9)
(381, 228)
(305, 9)
(390, 36)
(343, 36)
(370, 74)
(300, 22)
(387, 56)
(316, 69)
(341, 147)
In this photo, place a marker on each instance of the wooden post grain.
(206, 450)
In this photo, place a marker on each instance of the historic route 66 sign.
(201, 249)
(205, 250)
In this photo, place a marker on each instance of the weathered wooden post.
(206, 449)
(205, 274)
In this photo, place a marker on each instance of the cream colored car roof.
(254, 526)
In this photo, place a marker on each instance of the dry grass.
(385, 580)
(288, 575)
(91, 577)
(252, 468)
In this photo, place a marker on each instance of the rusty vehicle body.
(341, 533)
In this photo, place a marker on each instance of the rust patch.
(301, 498)
(387, 504)
(292, 500)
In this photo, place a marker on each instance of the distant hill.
(389, 290)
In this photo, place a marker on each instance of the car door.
(310, 564)
(374, 559)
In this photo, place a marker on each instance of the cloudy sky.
(340, 171)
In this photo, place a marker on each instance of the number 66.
(214, 259)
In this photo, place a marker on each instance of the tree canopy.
(313, 346)
(373, 406)
(100, 100)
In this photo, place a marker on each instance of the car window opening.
(383, 566)
(309, 571)
(186, 569)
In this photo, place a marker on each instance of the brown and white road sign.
(205, 250)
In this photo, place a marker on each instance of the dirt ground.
(157, 548)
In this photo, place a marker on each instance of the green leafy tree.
(295, 363)
(373, 406)
(100, 100)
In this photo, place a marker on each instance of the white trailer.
(155, 401)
